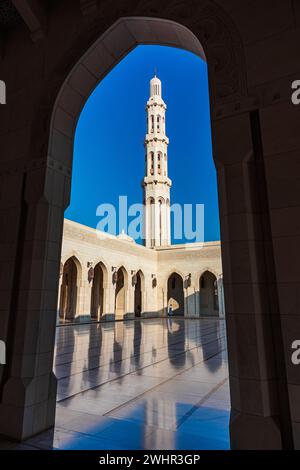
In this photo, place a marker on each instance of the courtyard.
(140, 384)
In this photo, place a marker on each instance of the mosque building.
(111, 277)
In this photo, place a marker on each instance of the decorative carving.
(219, 38)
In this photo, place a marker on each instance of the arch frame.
(100, 261)
(173, 34)
(181, 294)
(78, 282)
(125, 288)
(140, 273)
(230, 106)
(209, 270)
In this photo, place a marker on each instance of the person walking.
(170, 310)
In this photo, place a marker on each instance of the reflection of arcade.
(116, 359)
(176, 343)
(66, 341)
(211, 345)
(137, 341)
(94, 351)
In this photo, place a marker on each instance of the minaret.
(156, 183)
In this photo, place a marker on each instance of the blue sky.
(109, 153)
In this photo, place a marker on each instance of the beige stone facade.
(188, 277)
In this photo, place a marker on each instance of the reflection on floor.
(143, 384)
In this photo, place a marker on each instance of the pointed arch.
(175, 294)
(70, 283)
(139, 293)
(121, 293)
(208, 294)
(98, 290)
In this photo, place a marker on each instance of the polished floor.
(141, 384)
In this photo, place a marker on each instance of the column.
(28, 384)
(259, 396)
(85, 296)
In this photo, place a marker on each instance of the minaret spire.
(156, 182)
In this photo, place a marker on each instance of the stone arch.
(225, 62)
(175, 296)
(79, 261)
(176, 271)
(121, 293)
(208, 294)
(98, 290)
(139, 293)
(70, 283)
(209, 269)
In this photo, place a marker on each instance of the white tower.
(156, 183)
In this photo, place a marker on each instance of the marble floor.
(140, 384)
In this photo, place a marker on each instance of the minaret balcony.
(157, 179)
(156, 101)
(156, 137)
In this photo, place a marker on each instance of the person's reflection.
(211, 344)
(170, 324)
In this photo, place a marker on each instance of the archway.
(208, 293)
(97, 293)
(69, 290)
(121, 294)
(41, 209)
(175, 294)
(138, 294)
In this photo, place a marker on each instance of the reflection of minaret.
(156, 183)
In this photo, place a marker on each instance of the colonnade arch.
(175, 294)
(98, 291)
(139, 293)
(208, 294)
(71, 275)
(121, 293)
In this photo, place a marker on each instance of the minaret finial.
(155, 71)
